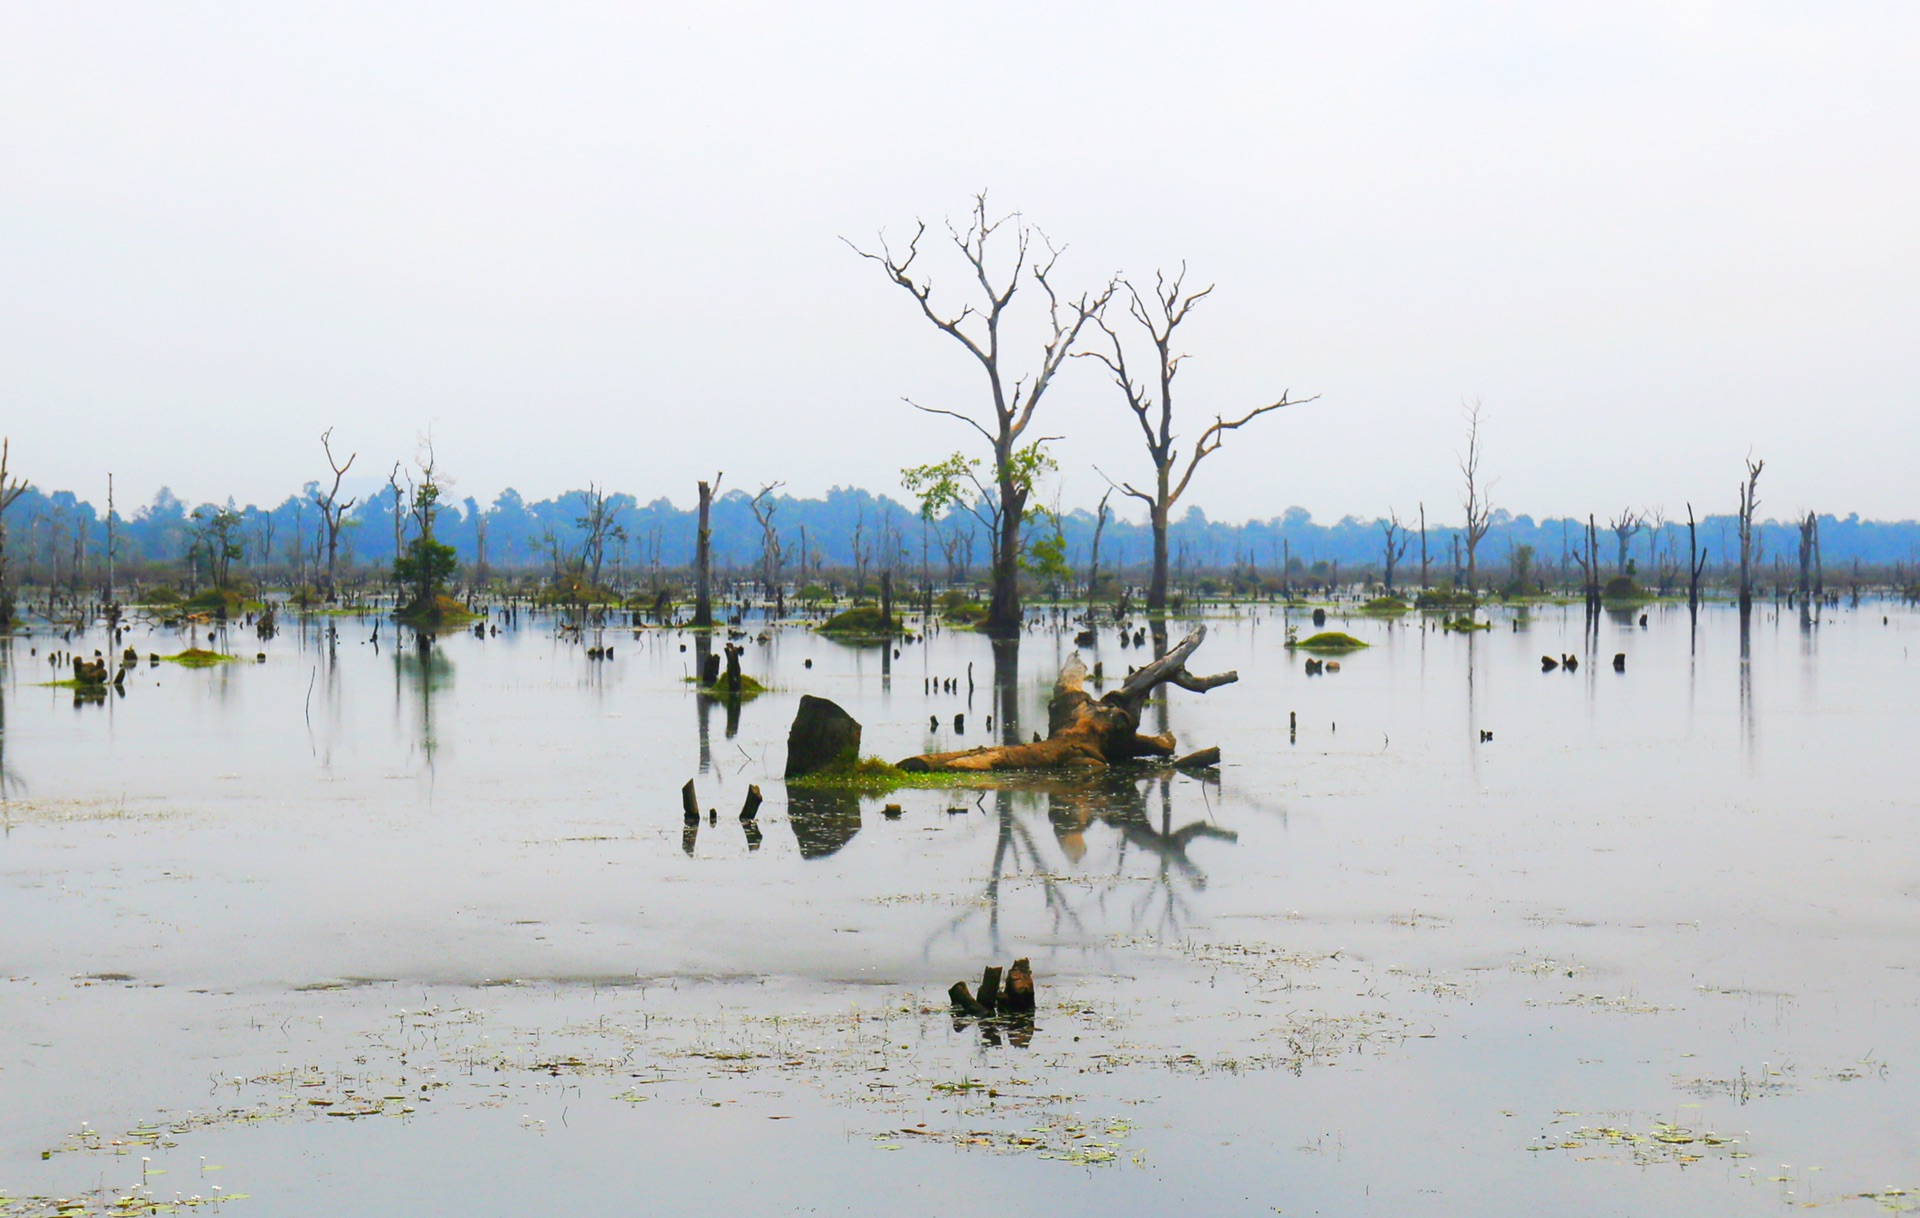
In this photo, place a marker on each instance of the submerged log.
(1083, 732)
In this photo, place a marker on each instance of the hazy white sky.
(603, 243)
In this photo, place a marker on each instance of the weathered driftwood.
(1083, 732)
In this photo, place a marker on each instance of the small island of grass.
(876, 776)
(1386, 606)
(862, 623)
(198, 657)
(1329, 640)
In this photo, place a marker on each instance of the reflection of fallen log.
(1084, 733)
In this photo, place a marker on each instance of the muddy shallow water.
(350, 930)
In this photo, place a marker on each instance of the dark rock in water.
(822, 736)
(1620, 661)
(1319, 617)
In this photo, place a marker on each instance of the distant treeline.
(61, 538)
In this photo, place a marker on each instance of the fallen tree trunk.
(1082, 732)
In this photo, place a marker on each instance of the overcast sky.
(604, 243)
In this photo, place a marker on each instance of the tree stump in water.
(1082, 732)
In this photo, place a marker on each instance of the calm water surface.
(357, 930)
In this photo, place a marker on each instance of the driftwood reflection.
(1137, 804)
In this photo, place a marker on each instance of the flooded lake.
(350, 929)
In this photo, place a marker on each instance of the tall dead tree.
(333, 510)
(1478, 508)
(1152, 407)
(764, 505)
(1013, 396)
(1749, 504)
(703, 557)
(1396, 545)
(10, 492)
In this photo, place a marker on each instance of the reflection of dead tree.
(1083, 733)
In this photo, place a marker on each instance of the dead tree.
(1478, 508)
(1396, 545)
(332, 510)
(1093, 563)
(596, 526)
(1696, 563)
(1749, 504)
(10, 492)
(1809, 556)
(1423, 545)
(764, 505)
(1624, 526)
(1152, 407)
(1013, 398)
(703, 557)
(1083, 733)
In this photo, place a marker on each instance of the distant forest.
(58, 538)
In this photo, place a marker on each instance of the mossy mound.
(1461, 625)
(1444, 598)
(1623, 588)
(221, 602)
(749, 688)
(970, 613)
(861, 621)
(159, 596)
(443, 612)
(1330, 640)
(875, 776)
(1385, 605)
(198, 657)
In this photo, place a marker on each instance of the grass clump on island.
(749, 688)
(1386, 605)
(443, 611)
(860, 622)
(1328, 640)
(875, 776)
(198, 657)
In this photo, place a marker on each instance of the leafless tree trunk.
(1478, 508)
(703, 557)
(10, 491)
(977, 330)
(1093, 563)
(597, 526)
(1396, 545)
(332, 510)
(1749, 504)
(1424, 585)
(764, 505)
(1624, 526)
(1152, 407)
(1696, 563)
